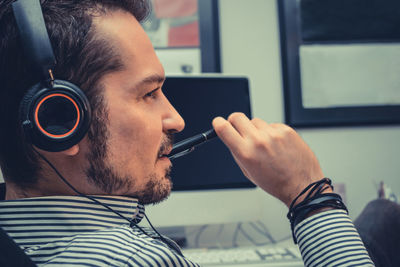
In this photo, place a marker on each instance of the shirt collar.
(72, 214)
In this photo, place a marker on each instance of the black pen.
(186, 146)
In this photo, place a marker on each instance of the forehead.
(131, 42)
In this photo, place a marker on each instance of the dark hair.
(83, 57)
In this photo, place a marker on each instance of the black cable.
(267, 231)
(131, 222)
(235, 235)
(252, 224)
(284, 238)
(218, 235)
(76, 191)
(170, 243)
(254, 242)
(266, 234)
(196, 229)
(197, 237)
(248, 237)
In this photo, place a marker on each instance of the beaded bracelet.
(314, 200)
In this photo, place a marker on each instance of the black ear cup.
(55, 119)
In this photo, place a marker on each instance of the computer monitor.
(199, 100)
(209, 187)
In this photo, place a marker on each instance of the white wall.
(357, 157)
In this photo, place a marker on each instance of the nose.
(172, 121)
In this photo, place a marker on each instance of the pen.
(186, 146)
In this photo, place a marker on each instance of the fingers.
(227, 133)
(235, 130)
(260, 124)
(273, 156)
(238, 131)
(242, 124)
(273, 129)
(238, 127)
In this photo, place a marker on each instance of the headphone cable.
(131, 222)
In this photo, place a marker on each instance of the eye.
(152, 94)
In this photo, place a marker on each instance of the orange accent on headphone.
(53, 135)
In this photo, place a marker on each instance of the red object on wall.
(184, 25)
(174, 8)
(186, 35)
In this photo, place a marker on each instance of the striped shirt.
(75, 231)
(330, 239)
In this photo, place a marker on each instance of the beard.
(102, 175)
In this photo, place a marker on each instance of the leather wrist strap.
(314, 200)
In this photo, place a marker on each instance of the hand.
(273, 156)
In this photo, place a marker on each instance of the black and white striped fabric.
(75, 231)
(330, 239)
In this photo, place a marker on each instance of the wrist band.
(314, 200)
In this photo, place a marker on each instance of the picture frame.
(296, 42)
(199, 50)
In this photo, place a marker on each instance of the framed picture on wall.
(340, 61)
(185, 35)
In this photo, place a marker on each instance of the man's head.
(101, 47)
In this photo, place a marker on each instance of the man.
(121, 162)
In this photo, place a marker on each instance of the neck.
(45, 186)
(14, 191)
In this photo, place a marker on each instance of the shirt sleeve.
(330, 239)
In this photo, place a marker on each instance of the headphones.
(54, 114)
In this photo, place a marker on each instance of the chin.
(157, 189)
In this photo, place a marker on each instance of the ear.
(72, 151)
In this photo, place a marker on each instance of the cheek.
(124, 122)
(134, 139)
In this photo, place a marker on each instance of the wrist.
(315, 198)
(318, 211)
(289, 202)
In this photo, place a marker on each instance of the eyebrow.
(154, 78)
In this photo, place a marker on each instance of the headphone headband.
(54, 114)
(33, 33)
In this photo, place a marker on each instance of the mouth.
(164, 154)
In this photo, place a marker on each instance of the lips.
(164, 153)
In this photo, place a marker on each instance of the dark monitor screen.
(199, 99)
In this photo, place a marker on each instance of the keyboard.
(247, 256)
